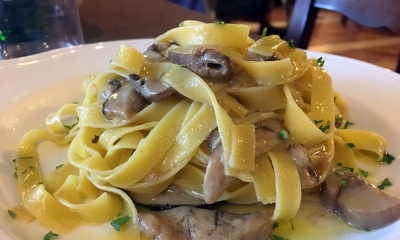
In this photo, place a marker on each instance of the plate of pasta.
(200, 133)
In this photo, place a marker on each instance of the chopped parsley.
(275, 225)
(283, 135)
(320, 61)
(73, 125)
(59, 166)
(117, 223)
(387, 182)
(343, 170)
(22, 158)
(349, 145)
(49, 235)
(343, 183)
(264, 33)
(181, 24)
(347, 124)
(387, 158)
(31, 167)
(292, 226)
(363, 173)
(16, 175)
(323, 128)
(12, 214)
(14, 160)
(275, 237)
(291, 43)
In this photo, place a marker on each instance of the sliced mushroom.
(309, 177)
(213, 140)
(154, 52)
(204, 61)
(215, 180)
(124, 102)
(170, 197)
(184, 223)
(251, 56)
(359, 202)
(267, 135)
(151, 88)
(112, 86)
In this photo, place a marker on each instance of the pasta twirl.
(112, 161)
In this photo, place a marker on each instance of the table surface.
(108, 20)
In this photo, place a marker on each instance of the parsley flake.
(12, 214)
(323, 128)
(343, 170)
(49, 235)
(363, 173)
(73, 125)
(117, 223)
(291, 43)
(320, 61)
(283, 135)
(275, 225)
(59, 166)
(387, 182)
(343, 183)
(350, 145)
(264, 33)
(387, 158)
(292, 226)
(347, 124)
(22, 158)
(275, 237)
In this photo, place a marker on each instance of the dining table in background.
(109, 20)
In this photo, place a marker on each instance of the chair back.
(369, 13)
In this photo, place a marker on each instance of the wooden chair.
(369, 13)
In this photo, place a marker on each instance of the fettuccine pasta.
(112, 161)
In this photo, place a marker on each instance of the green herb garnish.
(275, 237)
(264, 33)
(73, 125)
(387, 182)
(283, 135)
(363, 173)
(320, 61)
(292, 226)
(59, 166)
(347, 124)
(387, 158)
(117, 223)
(291, 43)
(323, 128)
(12, 214)
(349, 145)
(343, 183)
(22, 158)
(343, 170)
(49, 235)
(275, 225)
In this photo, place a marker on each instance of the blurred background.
(333, 33)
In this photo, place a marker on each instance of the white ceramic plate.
(34, 86)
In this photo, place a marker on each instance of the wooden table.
(108, 20)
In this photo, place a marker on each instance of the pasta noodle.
(112, 161)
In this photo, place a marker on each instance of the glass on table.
(32, 26)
